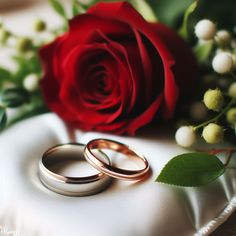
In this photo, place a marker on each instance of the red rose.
(113, 71)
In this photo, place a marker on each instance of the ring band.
(107, 168)
(70, 186)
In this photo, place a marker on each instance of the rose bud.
(115, 72)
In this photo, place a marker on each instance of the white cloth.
(147, 208)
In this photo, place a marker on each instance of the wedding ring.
(107, 168)
(70, 186)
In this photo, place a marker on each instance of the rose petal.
(49, 83)
(71, 87)
(126, 13)
(185, 68)
(131, 61)
(146, 117)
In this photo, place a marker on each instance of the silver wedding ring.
(71, 186)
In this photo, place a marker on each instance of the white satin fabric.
(27, 208)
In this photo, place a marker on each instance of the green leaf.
(14, 97)
(3, 118)
(191, 170)
(25, 66)
(58, 7)
(79, 8)
(184, 28)
(75, 8)
(144, 9)
(203, 50)
(4, 74)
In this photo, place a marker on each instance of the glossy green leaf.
(184, 28)
(191, 170)
(14, 97)
(3, 118)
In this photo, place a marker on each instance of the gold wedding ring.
(107, 168)
(70, 186)
(93, 152)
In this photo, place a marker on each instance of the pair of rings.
(94, 154)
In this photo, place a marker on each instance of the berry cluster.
(221, 102)
(23, 46)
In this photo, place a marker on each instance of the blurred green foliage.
(171, 12)
(222, 12)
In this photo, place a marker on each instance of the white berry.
(31, 82)
(222, 63)
(205, 29)
(185, 136)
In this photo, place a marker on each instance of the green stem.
(216, 118)
(233, 75)
(228, 158)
